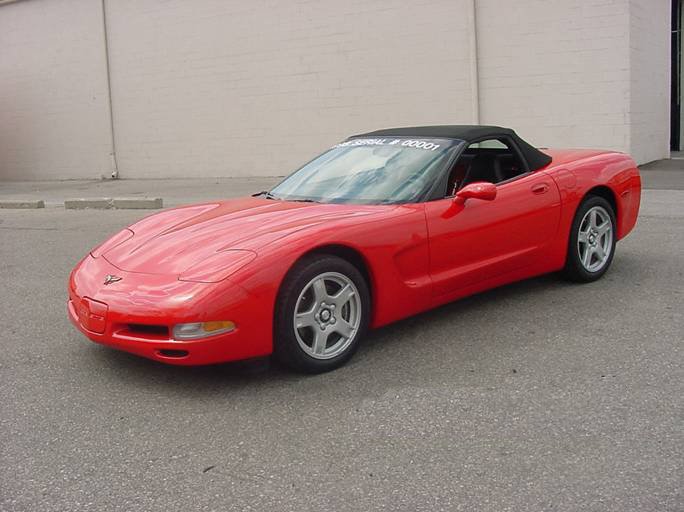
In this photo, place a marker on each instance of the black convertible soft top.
(469, 133)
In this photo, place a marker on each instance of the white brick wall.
(54, 119)
(557, 70)
(649, 59)
(578, 73)
(257, 88)
(235, 88)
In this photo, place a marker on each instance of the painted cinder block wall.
(649, 66)
(558, 71)
(54, 114)
(228, 88)
(210, 87)
(578, 73)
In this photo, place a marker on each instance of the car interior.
(492, 160)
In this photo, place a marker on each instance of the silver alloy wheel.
(595, 239)
(327, 315)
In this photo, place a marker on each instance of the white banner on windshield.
(426, 144)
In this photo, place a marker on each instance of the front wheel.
(592, 241)
(322, 313)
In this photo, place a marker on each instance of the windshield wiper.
(266, 194)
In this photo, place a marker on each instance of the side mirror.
(478, 190)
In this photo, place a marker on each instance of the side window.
(488, 144)
(492, 160)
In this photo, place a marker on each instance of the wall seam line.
(115, 164)
(474, 67)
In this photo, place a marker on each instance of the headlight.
(117, 239)
(218, 266)
(197, 330)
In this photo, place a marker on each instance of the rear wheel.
(592, 240)
(322, 313)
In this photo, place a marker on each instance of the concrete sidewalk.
(663, 175)
(174, 192)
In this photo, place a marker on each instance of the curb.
(138, 203)
(118, 203)
(82, 204)
(22, 204)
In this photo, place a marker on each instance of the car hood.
(172, 241)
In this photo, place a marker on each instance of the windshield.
(370, 171)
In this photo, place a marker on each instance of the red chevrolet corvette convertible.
(380, 227)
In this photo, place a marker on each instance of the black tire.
(287, 348)
(574, 269)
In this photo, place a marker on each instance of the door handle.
(540, 188)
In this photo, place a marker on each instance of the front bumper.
(138, 313)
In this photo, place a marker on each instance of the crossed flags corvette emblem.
(110, 278)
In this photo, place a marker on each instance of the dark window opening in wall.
(676, 81)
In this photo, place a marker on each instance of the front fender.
(394, 248)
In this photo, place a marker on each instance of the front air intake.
(173, 353)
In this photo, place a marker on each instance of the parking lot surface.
(542, 395)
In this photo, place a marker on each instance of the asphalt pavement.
(540, 396)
